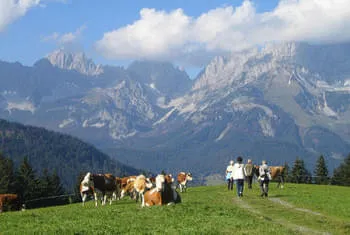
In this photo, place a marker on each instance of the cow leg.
(180, 186)
(104, 199)
(95, 196)
(142, 200)
(83, 197)
(282, 181)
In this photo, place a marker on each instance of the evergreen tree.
(287, 177)
(55, 187)
(7, 178)
(299, 173)
(321, 171)
(27, 182)
(341, 175)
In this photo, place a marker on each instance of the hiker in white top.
(238, 176)
(229, 175)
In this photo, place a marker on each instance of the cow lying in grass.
(163, 193)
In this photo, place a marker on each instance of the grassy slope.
(297, 209)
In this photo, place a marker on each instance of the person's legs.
(261, 183)
(266, 188)
(240, 185)
(250, 180)
(230, 184)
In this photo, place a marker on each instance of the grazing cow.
(141, 184)
(182, 179)
(9, 202)
(103, 183)
(276, 172)
(163, 193)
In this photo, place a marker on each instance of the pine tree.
(27, 181)
(7, 179)
(299, 173)
(287, 177)
(341, 175)
(321, 171)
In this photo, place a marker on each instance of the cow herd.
(159, 190)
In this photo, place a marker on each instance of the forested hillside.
(64, 154)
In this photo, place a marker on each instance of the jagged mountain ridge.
(277, 103)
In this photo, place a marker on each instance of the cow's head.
(189, 176)
(160, 180)
(149, 183)
(87, 182)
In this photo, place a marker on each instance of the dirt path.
(298, 228)
(290, 206)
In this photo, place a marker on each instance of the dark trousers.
(264, 187)
(230, 184)
(249, 181)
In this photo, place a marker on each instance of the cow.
(127, 187)
(182, 179)
(276, 172)
(163, 193)
(9, 202)
(141, 184)
(95, 183)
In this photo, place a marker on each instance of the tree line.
(299, 174)
(31, 188)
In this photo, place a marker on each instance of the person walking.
(264, 179)
(238, 176)
(229, 175)
(248, 171)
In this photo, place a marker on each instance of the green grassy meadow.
(296, 209)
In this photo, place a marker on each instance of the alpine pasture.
(296, 209)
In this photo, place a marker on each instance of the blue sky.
(188, 32)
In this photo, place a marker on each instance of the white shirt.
(229, 168)
(238, 171)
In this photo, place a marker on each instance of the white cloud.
(177, 36)
(66, 38)
(10, 10)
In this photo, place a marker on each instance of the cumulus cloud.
(65, 38)
(10, 10)
(177, 36)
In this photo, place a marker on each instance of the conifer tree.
(321, 171)
(27, 181)
(6, 175)
(341, 175)
(299, 172)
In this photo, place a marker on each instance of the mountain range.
(278, 102)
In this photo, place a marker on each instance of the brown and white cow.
(141, 184)
(9, 202)
(127, 187)
(163, 193)
(182, 179)
(276, 172)
(98, 183)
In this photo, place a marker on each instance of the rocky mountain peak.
(74, 61)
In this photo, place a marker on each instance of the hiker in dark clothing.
(248, 171)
